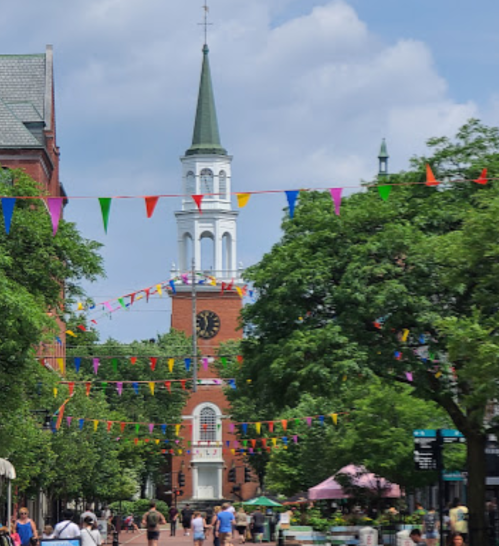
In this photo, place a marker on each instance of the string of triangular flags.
(55, 204)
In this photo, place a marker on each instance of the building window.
(208, 425)
(207, 183)
(190, 183)
(222, 181)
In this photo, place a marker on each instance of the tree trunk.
(477, 473)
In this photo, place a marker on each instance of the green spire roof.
(383, 152)
(206, 138)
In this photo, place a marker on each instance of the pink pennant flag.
(336, 196)
(68, 420)
(409, 376)
(231, 427)
(54, 205)
(309, 421)
(205, 364)
(119, 387)
(151, 427)
(295, 439)
(96, 365)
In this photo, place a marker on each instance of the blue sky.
(305, 91)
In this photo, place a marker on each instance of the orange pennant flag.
(482, 179)
(109, 425)
(168, 385)
(71, 388)
(430, 177)
(284, 424)
(88, 386)
(197, 200)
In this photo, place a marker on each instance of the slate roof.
(22, 98)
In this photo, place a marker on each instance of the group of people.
(24, 532)
(222, 524)
(455, 520)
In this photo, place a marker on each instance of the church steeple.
(383, 159)
(206, 137)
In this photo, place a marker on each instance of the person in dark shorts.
(173, 520)
(151, 520)
(258, 523)
(186, 516)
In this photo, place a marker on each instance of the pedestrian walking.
(186, 519)
(225, 525)
(213, 523)
(198, 525)
(241, 524)
(431, 526)
(89, 513)
(458, 515)
(258, 524)
(173, 513)
(151, 520)
(66, 528)
(26, 528)
(89, 535)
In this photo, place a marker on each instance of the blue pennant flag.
(163, 429)
(135, 387)
(232, 383)
(321, 419)
(81, 422)
(172, 284)
(292, 197)
(244, 426)
(285, 440)
(77, 363)
(8, 204)
(187, 364)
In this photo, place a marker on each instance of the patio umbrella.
(8, 472)
(261, 501)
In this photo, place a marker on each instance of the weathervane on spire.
(205, 22)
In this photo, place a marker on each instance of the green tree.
(405, 289)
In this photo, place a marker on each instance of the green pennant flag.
(105, 207)
(137, 428)
(114, 362)
(224, 361)
(245, 443)
(121, 301)
(104, 386)
(384, 191)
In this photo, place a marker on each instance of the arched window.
(222, 187)
(190, 183)
(207, 425)
(206, 179)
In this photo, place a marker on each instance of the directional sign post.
(425, 449)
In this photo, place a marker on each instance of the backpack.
(152, 519)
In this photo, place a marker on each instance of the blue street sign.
(451, 433)
(454, 476)
(424, 433)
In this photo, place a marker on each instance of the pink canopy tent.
(331, 489)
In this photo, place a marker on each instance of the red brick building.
(207, 240)
(27, 125)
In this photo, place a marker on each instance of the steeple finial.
(383, 159)
(205, 23)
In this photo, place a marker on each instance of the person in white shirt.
(66, 528)
(89, 535)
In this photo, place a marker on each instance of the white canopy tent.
(8, 473)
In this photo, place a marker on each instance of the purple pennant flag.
(205, 364)
(236, 444)
(69, 419)
(231, 427)
(292, 196)
(77, 364)
(295, 439)
(119, 387)
(55, 206)
(8, 204)
(309, 421)
(96, 365)
(336, 196)
(151, 427)
(251, 450)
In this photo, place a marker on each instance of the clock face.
(208, 324)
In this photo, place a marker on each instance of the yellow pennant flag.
(258, 427)
(96, 424)
(239, 291)
(151, 386)
(177, 429)
(213, 281)
(438, 374)
(242, 199)
(344, 378)
(60, 362)
(71, 333)
(80, 306)
(171, 362)
(334, 417)
(139, 297)
(233, 451)
(180, 452)
(158, 287)
(55, 392)
(274, 441)
(157, 441)
(405, 335)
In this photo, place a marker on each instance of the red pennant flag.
(88, 386)
(264, 442)
(122, 427)
(223, 287)
(81, 327)
(430, 177)
(240, 359)
(146, 440)
(205, 426)
(197, 200)
(182, 382)
(153, 360)
(135, 441)
(168, 385)
(71, 388)
(271, 426)
(133, 359)
(147, 290)
(253, 443)
(151, 203)
(109, 425)
(482, 179)
(132, 298)
(94, 321)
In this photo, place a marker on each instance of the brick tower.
(207, 240)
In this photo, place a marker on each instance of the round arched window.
(208, 425)
(190, 183)
(206, 179)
